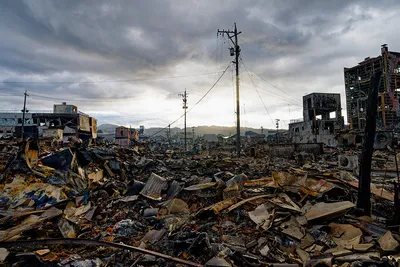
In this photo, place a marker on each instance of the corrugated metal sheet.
(154, 186)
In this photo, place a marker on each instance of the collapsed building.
(322, 119)
(357, 83)
(64, 122)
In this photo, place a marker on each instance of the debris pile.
(111, 206)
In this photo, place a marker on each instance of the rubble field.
(113, 206)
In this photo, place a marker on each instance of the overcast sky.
(125, 62)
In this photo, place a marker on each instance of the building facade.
(322, 119)
(357, 84)
(11, 122)
(125, 136)
(64, 117)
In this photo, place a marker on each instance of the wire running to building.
(276, 87)
(209, 90)
(258, 93)
(289, 101)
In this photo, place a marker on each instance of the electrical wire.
(262, 90)
(86, 100)
(110, 81)
(292, 101)
(194, 104)
(210, 88)
(276, 87)
(258, 93)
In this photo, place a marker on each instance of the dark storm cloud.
(285, 41)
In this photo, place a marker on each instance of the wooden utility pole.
(277, 129)
(235, 51)
(169, 134)
(23, 116)
(193, 135)
(364, 185)
(184, 99)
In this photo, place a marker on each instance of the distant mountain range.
(198, 130)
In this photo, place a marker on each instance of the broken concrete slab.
(284, 201)
(217, 262)
(345, 235)
(154, 236)
(293, 229)
(3, 254)
(362, 247)
(388, 243)
(358, 257)
(262, 217)
(326, 211)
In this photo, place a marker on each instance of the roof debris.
(112, 206)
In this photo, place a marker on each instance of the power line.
(258, 93)
(88, 100)
(109, 81)
(211, 87)
(292, 101)
(275, 86)
(194, 104)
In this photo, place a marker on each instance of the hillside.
(199, 130)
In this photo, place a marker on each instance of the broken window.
(20, 120)
(297, 130)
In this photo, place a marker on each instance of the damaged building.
(64, 122)
(357, 83)
(322, 119)
(11, 123)
(125, 136)
(67, 118)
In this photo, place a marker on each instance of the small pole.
(169, 134)
(23, 116)
(184, 98)
(193, 135)
(277, 129)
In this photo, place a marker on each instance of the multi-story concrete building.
(322, 118)
(357, 84)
